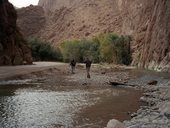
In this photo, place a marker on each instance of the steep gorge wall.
(52, 5)
(149, 24)
(84, 18)
(147, 21)
(156, 44)
(31, 20)
(13, 48)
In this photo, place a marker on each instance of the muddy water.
(34, 106)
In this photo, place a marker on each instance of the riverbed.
(35, 106)
(51, 97)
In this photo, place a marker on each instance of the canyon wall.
(147, 21)
(149, 24)
(13, 48)
(31, 20)
(52, 5)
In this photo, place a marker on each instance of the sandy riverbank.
(155, 115)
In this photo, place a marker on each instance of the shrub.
(70, 50)
(42, 51)
(79, 49)
(108, 48)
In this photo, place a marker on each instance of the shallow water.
(35, 106)
(31, 104)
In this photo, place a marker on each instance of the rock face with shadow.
(13, 48)
(146, 21)
(149, 22)
(31, 20)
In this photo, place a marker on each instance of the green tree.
(42, 51)
(108, 48)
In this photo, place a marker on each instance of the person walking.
(88, 65)
(73, 65)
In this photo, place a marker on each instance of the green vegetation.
(108, 48)
(43, 51)
(79, 49)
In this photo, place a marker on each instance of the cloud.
(23, 3)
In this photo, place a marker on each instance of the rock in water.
(13, 48)
(153, 82)
(115, 124)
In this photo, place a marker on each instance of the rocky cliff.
(31, 20)
(147, 21)
(13, 48)
(52, 5)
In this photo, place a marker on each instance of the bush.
(122, 50)
(79, 49)
(42, 51)
(108, 48)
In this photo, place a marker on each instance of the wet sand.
(93, 101)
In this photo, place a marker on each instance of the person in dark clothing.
(88, 65)
(73, 65)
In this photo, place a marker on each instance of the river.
(47, 104)
(35, 106)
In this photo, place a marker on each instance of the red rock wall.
(13, 48)
(52, 5)
(148, 21)
(31, 19)
(156, 44)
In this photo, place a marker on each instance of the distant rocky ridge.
(52, 5)
(13, 48)
(31, 20)
(148, 22)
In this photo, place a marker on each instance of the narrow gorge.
(147, 22)
(85, 64)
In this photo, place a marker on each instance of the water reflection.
(34, 107)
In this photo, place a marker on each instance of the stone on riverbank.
(155, 115)
(153, 82)
(115, 124)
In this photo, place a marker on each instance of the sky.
(23, 3)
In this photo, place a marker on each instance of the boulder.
(153, 82)
(5, 60)
(115, 124)
(165, 109)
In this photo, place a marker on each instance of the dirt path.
(53, 72)
(100, 76)
(8, 72)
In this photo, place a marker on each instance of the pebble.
(157, 115)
